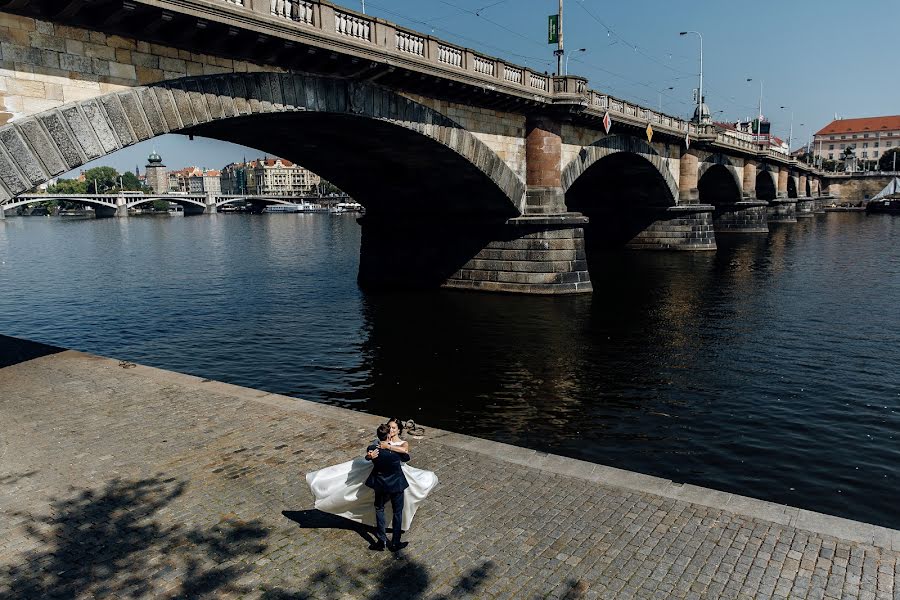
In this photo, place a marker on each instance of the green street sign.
(553, 29)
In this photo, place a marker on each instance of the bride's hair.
(399, 425)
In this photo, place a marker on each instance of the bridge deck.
(127, 480)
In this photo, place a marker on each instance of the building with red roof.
(869, 137)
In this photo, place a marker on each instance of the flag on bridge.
(649, 132)
(687, 141)
(607, 122)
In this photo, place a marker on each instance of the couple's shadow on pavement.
(316, 519)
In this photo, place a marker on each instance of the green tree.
(68, 186)
(101, 180)
(160, 205)
(889, 159)
(131, 183)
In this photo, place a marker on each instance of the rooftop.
(862, 125)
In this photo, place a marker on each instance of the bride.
(341, 490)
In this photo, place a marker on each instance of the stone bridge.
(476, 173)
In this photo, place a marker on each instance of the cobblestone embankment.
(128, 481)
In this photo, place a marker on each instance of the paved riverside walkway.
(121, 481)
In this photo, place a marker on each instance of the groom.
(388, 481)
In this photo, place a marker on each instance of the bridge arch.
(718, 181)
(622, 185)
(94, 202)
(175, 199)
(370, 141)
(792, 186)
(718, 159)
(614, 144)
(766, 184)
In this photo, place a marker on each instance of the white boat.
(347, 207)
(301, 207)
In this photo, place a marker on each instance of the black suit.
(388, 481)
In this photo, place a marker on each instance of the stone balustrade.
(372, 31)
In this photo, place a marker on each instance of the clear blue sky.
(819, 57)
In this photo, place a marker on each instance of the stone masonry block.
(100, 66)
(147, 75)
(74, 47)
(226, 96)
(18, 37)
(22, 87)
(288, 89)
(118, 119)
(43, 147)
(122, 71)
(47, 42)
(97, 119)
(21, 54)
(59, 133)
(132, 107)
(151, 110)
(10, 175)
(141, 59)
(72, 33)
(71, 62)
(183, 104)
(44, 27)
(167, 107)
(24, 158)
(198, 102)
(172, 64)
(277, 95)
(194, 69)
(83, 131)
(17, 22)
(116, 41)
(211, 93)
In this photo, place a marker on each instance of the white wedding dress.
(341, 490)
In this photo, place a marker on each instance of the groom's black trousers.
(396, 499)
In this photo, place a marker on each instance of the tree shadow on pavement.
(106, 544)
(128, 539)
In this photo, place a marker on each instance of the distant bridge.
(119, 204)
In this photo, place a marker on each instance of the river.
(770, 368)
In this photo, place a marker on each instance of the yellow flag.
(649, 133)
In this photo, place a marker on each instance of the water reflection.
(767, 368)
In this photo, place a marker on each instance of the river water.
(770, 368)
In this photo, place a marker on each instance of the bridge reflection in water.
(757, 368)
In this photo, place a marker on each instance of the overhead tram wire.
(634, 47)
(504, 51)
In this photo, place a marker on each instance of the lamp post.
(570, 56)
(700, 91)
(759, 117)
(660, 92)
(791, 134)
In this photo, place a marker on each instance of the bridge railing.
(349, 26)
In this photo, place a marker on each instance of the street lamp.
(759, 117)
(568, 56)
(791, 134)
(700, 91)
(660, 92)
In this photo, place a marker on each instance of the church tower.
(156, 175)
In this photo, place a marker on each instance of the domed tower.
(155, 172)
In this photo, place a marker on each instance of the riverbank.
(121, 479)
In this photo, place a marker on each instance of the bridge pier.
(746, 216)
(782, 210)
(805, 207)
(819, 205)
(681, 227)
(524, 255)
